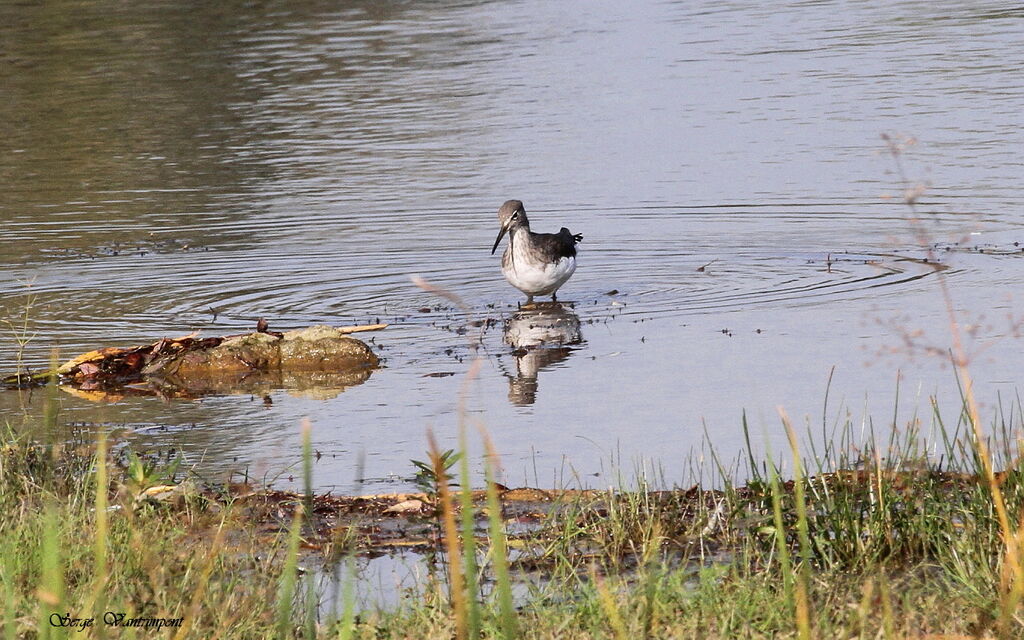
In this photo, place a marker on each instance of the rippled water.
(168, 167)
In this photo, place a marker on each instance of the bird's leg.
(554, 298)
(529, 299)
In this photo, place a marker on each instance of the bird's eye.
(515, 215)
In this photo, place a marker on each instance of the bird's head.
(510, 215)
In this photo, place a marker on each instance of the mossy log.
(218, 364)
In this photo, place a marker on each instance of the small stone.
(406, 506)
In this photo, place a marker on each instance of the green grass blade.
(347, 624)
(469, 543)
(51, 587)
(100, 544)
(499, 552)
(311, 608)
(289, 578)
(785, 565)
(7, 577)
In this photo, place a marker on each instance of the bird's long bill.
(501, 234)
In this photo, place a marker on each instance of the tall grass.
(1012, 571)
(885, 539)
(878, 542)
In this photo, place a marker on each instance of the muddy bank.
(707, 520)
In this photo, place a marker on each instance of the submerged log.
(250, 362)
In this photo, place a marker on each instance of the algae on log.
(319, 361)
(319, 348)
(319, 357)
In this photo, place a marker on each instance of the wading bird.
(535, 263)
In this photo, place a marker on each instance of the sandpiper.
(535, 263)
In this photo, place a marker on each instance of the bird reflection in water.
(540, 335)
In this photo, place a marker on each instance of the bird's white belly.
(538, 279)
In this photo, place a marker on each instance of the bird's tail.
(576, 237)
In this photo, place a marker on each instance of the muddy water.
(168, 167)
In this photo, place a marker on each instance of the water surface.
(168, 167)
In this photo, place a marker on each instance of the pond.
(169, 167)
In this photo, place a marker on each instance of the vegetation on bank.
(896, 540)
